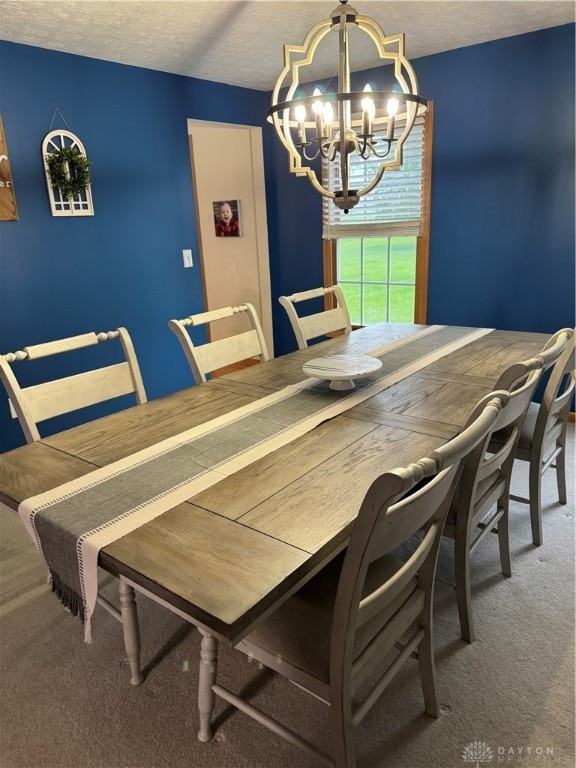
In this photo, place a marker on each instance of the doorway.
(228, 166)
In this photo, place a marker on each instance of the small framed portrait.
(227, 219)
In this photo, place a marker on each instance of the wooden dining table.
(230, 555)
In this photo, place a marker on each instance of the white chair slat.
(53, 398)
(61, 345)
(223, 352)
(377, 600)
(214, 314)
(371, 657)
(322, 323)
(314, 293)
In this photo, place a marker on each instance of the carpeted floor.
(508, 698)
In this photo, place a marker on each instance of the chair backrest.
(516, 373)
(486, 476)
(559, 391)
(206, 358)
(320, 323)
(34, 404)
(397, 505)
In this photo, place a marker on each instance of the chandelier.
(370, 124)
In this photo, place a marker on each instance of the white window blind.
(393, 207)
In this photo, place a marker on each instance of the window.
(378, 278)
(378, 253)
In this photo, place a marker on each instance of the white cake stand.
(341, 370)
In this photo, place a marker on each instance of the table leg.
(131, 628)
(207, 678)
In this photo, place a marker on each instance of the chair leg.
(207, 678)
(503, 540)
(535, 493)
(463, 590)
(561, 474)
(342, 736)
(428, 674)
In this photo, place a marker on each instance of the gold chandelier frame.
(359, 114)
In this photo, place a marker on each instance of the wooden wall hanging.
(76, 205)
(8, 210)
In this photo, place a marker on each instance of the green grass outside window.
(377, 276)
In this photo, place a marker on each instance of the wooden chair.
(34, 404)
(481, 500)
(206, 358)
(330, 637)
(543, 435)
(320, 323)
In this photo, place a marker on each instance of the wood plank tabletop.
(230, 554)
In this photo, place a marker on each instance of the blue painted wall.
(502, 229)
(502, 198)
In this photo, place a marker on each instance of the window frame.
(329, 247)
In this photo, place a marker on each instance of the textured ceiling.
(240, 42)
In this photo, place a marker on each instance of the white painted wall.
(227, 164)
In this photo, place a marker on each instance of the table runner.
(71, 523)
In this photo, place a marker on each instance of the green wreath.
(69, 170)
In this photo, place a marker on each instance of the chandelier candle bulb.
(317, 108)
(328, 116)
(300, 113)
(368, 112)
